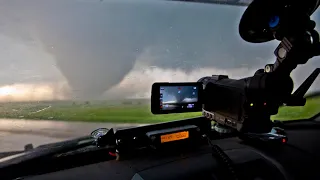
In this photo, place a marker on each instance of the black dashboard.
(297, 159)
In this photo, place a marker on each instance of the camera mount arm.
(247, 104)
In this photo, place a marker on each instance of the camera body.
(235, 103)
(244, 104)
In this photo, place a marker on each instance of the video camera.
(246, 104)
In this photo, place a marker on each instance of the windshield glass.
(94, 61)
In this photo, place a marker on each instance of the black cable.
(218, 153)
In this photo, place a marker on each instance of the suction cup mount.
(287, 21)
(266, 20)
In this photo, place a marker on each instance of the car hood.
(6, 156)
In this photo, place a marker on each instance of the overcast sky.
(118, 48)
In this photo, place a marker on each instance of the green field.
(133, 111)
(311, 108)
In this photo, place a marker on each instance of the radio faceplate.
(171, 133)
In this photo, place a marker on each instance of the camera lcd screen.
(178, 97)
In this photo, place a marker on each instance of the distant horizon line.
(76, 100)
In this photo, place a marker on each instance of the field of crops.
(133, 111)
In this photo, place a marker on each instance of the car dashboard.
(297, 159)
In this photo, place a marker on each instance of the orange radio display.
(174, 136)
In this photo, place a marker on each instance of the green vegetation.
(311, 108)
(134, 111)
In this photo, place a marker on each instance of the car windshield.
(70, 66)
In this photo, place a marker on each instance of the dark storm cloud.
(95, 44)
(23, 58)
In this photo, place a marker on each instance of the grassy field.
(311, 108)
(137, 111)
